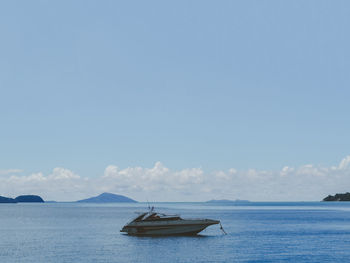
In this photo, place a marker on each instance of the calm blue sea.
(257, 232)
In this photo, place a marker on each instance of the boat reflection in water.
(157, 224)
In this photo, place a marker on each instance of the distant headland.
(338, 197)
(22, 199)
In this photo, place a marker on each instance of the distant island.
(7, 200)
(22, 199)
(338, 197)
(29, 199)
(108, 198)
(227, 201)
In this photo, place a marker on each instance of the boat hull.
(178, 227)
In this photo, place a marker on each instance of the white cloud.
(61, 184)
(59, 173)
(152, 182)
(159, 183)
(10, 171)
(344, 164)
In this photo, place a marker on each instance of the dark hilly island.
(29, 199)
(108, 198)
(22, 199)
(7, 200)
(338, 197)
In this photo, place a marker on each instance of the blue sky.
(208, 84)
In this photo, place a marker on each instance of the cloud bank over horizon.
(159, 183)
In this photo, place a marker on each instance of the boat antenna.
(149, 207)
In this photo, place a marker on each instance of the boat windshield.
(153, 216)
(160, 217)
(139, 218)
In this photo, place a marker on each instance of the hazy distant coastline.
(226, 201)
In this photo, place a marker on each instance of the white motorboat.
(157, 224)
